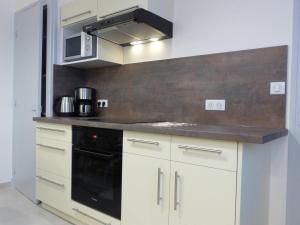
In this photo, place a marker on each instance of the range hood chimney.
(130, 28)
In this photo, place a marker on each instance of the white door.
(202, 195)
(27, 70)
(145, 190)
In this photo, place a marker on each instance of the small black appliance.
(97, 169)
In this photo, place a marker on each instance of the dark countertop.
(228, 133)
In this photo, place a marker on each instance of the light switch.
(277, 88)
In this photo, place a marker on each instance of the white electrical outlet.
(102, 103)
(277, 88)
(215, 105)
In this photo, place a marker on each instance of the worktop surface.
(229, 133)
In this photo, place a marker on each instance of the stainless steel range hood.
(129, 28)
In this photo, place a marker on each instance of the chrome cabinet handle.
(54, 148)
(143, 141)
(121, 11)
(189, 148)
(50, 129)
(93, 218)
(51, 182)
(159, 183)
(77, 15)
(176, 192)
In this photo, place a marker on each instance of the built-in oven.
(79, 46)
(97, 169)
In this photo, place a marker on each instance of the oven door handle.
(93, 153)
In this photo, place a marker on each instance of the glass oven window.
(96, 181)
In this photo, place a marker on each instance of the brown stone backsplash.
(176, 89)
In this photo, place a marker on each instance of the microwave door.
(72, 48)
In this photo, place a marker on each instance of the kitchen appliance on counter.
(85, 101)
(97, 169)
(64, 106)
(79, 46)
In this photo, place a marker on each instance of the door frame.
(51, 51)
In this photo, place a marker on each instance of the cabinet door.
(202, 195)
(145, 191)
(78, 10)
(107, 7)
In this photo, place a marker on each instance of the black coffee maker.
(85, 101)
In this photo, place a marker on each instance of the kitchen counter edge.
(226, 133)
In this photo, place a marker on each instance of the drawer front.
(54, 131)
(152, 145)
(90, 216)
(54, 156)
(211, 153)
(54, 191)
(77, 11)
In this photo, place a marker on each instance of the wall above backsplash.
(176, 89)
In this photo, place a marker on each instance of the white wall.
(6, 88)
(293, 216)
(213, 26)
(23, 3)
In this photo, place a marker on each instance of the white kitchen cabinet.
(145, 191)
(107, 8)
(202, 195)
(53, 162)
(211, 182)
(197, 193)
(77, 11)
(53, 190)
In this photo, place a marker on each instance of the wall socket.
(102, 103)
(215, 105)
(277, 88)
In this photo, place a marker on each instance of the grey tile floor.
(15, 209)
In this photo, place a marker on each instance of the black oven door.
(96, 180)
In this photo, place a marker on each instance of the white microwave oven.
(79, 46)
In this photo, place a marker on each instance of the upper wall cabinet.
(109, 7)
(78, 10)
(163, 8)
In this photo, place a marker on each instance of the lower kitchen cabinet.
(196, 194)
(145, 191)
(53, 190)
(210, 182)
(166, 180)
(202, 195)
